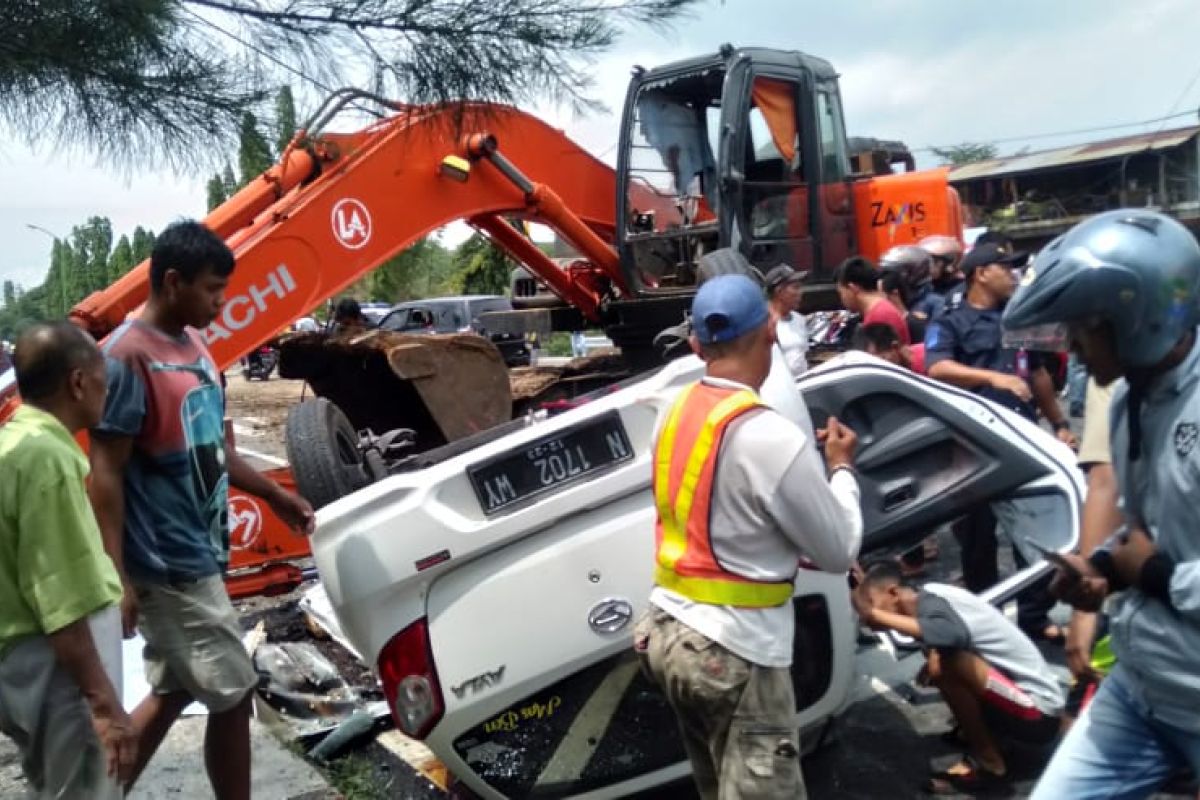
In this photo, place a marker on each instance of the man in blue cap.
(1127, 286)
(741, 495)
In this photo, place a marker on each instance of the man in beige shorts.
(161, 472)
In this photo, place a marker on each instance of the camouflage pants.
(736, 717)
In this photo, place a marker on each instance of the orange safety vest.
(685, 460)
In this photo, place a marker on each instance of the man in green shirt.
(60, 626)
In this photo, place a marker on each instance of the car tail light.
(410, 681)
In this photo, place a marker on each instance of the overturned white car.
(494, 585)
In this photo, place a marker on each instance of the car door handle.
(895, 497)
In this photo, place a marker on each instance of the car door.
(544, 697)
(928, 452)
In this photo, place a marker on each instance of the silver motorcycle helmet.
(912, 263)
(1136, 269)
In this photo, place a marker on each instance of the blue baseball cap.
(727, 307)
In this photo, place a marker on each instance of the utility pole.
(62, 273)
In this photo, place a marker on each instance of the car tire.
(725, 261)
(322, 448)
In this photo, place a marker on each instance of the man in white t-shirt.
(741, 497)
(785, 287)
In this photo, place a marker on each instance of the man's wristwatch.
(1061, 425)
(839, 467)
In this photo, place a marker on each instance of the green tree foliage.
(423, 270)
(121, 259)
(215, 192)
(143, 243)
(26, 308)
(285, 118)
(254, 154)
(169, 78)
(86, 262)
(91, 243)
(229, 181)
(965, 153)
(480, 267)
(61, 284)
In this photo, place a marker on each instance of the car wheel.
(323, 449)
(725, 261)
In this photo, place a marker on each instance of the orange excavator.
(745, 148)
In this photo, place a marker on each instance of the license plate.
(550, 462)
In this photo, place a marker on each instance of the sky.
(927, 72)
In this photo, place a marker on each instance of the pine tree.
(228, 181)
(155, 78)
(59, 286)
(92, 243)
(285, 118)
(121, 260)
(216, 192)
(143, 243)
(10, 294)
(254, 154)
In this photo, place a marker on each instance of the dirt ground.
(259, 410)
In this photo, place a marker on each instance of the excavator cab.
(745, 149)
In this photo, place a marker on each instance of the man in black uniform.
(964, 347)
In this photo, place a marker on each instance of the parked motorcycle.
(261, 363)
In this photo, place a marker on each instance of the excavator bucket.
(442, 387)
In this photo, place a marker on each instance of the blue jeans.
(1116, 749)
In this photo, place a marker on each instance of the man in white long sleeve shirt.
(741, 497)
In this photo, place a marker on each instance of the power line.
(1077, 131)
(251, 46)
(1182, 95)
(279, 62)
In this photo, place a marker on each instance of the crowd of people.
(137, 540)
(134, 535)
(745, 488)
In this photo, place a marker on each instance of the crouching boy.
(989, 673)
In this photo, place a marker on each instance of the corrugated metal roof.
(1073, 154)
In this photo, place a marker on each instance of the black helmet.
(911, 262)
(1135, 269)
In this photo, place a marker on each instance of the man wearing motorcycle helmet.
(946, 252)
(1127, 286)
(915, 269)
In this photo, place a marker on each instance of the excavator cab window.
(671, 193)
(835, 159)
(773, 211)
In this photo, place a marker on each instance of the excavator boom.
(339, 205)
(343, 204)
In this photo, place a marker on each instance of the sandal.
(965, 777)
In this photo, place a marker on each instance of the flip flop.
(973, 780)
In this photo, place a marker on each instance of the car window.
(395, 321)
(449, 317)
(419, 318)
(929, 455)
